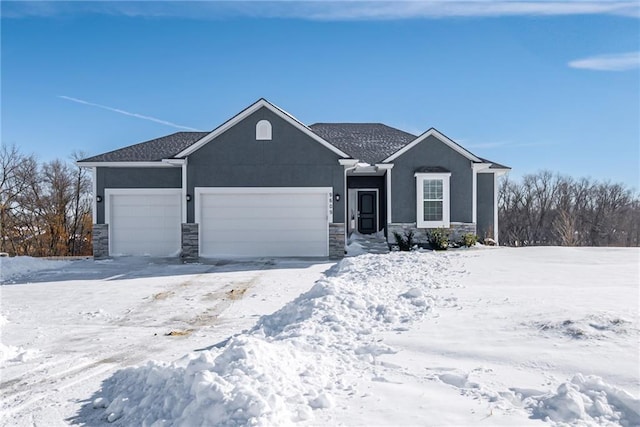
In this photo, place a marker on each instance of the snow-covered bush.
(468, 240)
(439, 238)
(406, 242)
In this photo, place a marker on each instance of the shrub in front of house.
(406, 242)
(468, 240)
(439, 239)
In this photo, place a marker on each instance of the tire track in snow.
(20, 394)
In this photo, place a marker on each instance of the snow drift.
(292, 361)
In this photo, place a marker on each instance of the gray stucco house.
(265, 184)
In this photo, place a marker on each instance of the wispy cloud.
(324, 10)
(127, 113)
(612, 62)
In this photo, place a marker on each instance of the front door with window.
(367, 212)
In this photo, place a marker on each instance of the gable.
(238, 118)
(428, 136)
(240, 145)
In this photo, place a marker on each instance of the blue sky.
(534, 85)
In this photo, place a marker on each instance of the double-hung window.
(432, 200)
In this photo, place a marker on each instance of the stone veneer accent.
(100, 236)
(336, 240)
(457, 229)
(189, 251)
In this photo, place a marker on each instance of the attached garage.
(253, 222)
(144, 221)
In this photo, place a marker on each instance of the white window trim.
(263, 130)
(446, 200)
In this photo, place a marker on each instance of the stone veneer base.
(336, 240)
(420, 235)
(100, 236)
(190, 250)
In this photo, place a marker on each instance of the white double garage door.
(233, 222)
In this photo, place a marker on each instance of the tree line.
(45, 207)
(547, 208)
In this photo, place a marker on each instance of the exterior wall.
(336, 240)
(374, 182)
(290, 159)
(162, 177)
(485, 205)
(420, 235)
(431, 152)
(190, 249)
(100, 235)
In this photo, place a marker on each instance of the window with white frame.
(263, 130)
(432, 200)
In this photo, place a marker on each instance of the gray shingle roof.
(495, 165)
(149, 151)
(370, 142)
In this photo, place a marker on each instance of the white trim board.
(246, 113)
(442, 138)
(94, 189)
(159, 164)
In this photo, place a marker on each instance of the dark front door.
(367, 212)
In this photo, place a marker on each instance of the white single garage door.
(144, 221)
(252, 222)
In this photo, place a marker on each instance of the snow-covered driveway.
(470, 337)
(62, 335)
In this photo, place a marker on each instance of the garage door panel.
(265, 223)
(144, 223)
(265, 211)
(215, 205)
(271, 236)
(278, 225)
(238, 247)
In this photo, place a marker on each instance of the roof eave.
(125, 164)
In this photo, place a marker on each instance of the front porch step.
(367, 244)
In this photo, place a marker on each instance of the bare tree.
(550, 209)
(18, 172)
(80, 231)
(44, 209)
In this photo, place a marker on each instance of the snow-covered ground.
(481, 336)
